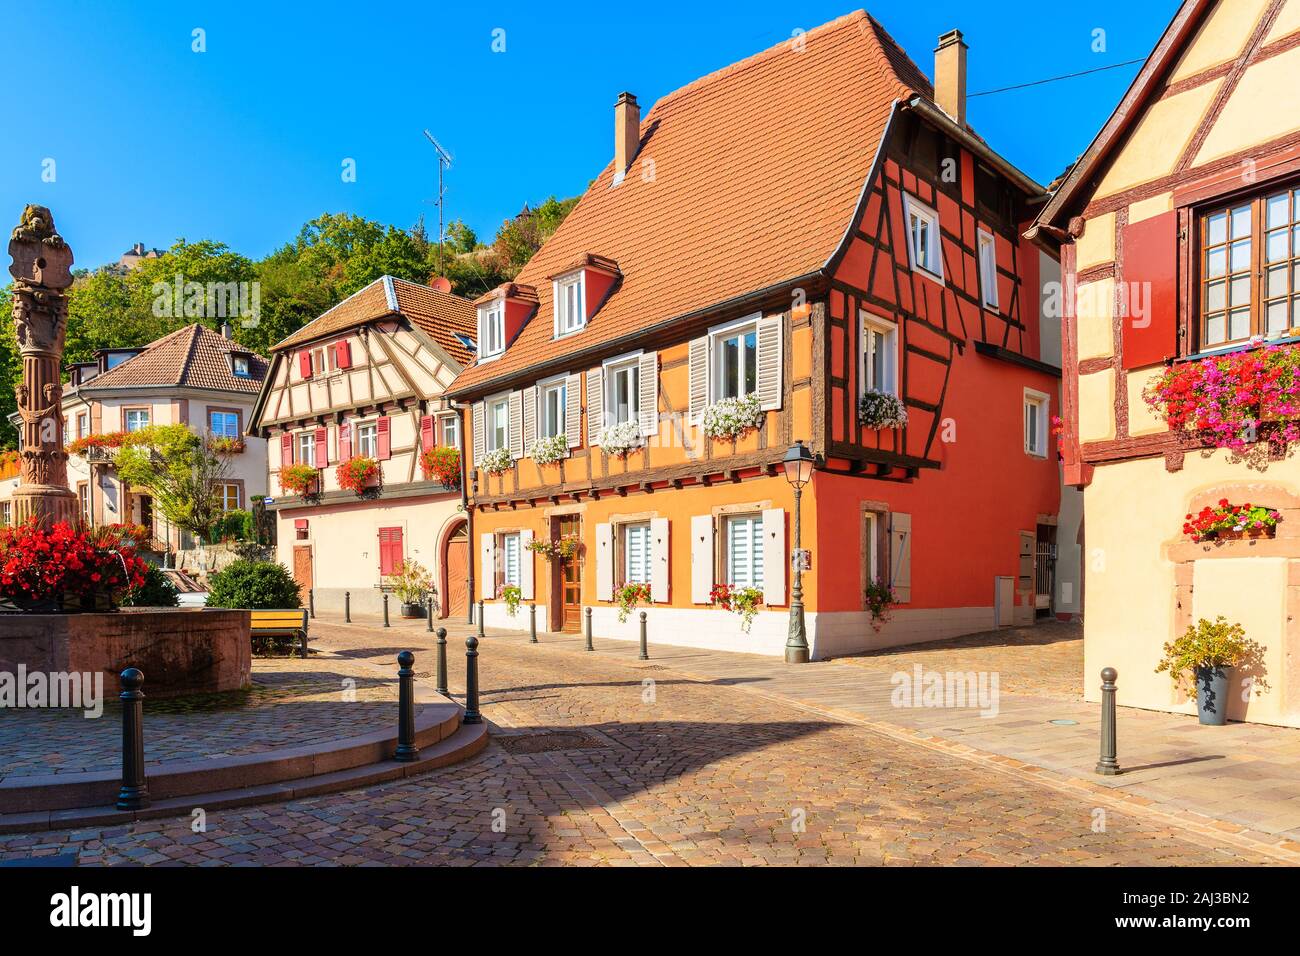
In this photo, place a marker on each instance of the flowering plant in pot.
(512, 595)
(629, 596)
(1204, 651)
(620, 439)
(878, 409)
(744, 601)
(64, 568)
(497, 461)
(442, 464)
(1226, 521)
(412, 583)
(564, 547)
(225, 445)
(358, 474)
(547, 451)
(879, 598)
(301, 480)
(729, 418)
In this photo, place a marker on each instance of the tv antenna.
(444, 163)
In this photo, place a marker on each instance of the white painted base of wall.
(496, 615)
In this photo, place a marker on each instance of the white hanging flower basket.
(881, 410)
(495, 462)
(620, 439)
(547, 451)
(729, 418)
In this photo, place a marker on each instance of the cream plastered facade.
(1145, 581)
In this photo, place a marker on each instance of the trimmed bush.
(156, 591)
(255, 585)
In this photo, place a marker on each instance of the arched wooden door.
(455, 564)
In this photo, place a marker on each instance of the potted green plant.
(412, 584)
(628, 597)
(512, 595)
(1205, 651)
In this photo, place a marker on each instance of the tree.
(181, 472)
(519, 239)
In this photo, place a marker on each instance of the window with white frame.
(622, 391)
(7, 513)
(223, 424)
(136, 419)
(923, 238)
(743, 544)
(988, 256)
(492, 329)
(228, 495)
(551, 397)
(83, 424)
(367, 439)
(871, 525)
(306, 446)
(636, 552)
(240, 365)
(570, 304)
(318, 362)
(450, 431)
(879, 355)
(1036, 409)
(498, 423)
(509, 549)
(735, 361)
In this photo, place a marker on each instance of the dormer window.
(492, 328)
(239, 365)
(570, 304)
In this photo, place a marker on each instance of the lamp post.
(798, 465)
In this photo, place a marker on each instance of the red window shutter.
(385, 441)
(1151, 283)
(343, 354)
(390, 550)
(286, 449)
(426, 432)
(345, 441)
(322, 448)
(304, 364)
(300, 523)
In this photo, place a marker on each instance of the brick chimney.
(950, 76)
(627, 134)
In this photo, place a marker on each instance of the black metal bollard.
(311, 601)
(386, 624)
(134, 794)
(532, 624)
(645, 653)
(442, 661)
(472, 716)
(589, 647)
(480, 620)
(428, 613)
(1108, 765)
(406, 749)
(347, 607)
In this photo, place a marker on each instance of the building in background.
(365, 380)
(1180, 234)
(807, 230)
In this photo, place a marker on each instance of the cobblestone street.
(595, 761)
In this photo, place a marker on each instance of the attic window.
(492, 328)
(240, 365)
(466, 341)
(570, 309)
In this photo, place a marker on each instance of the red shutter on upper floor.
(286, 450)
(384, 440)
(390, 550)
(345, 441)
(426, 432)
(343, 354)
(300, 523)
(322, 448)
(1150, 281)
(304, 364)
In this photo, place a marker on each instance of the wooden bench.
(291, 621)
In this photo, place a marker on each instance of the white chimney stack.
(627, 134)
(950, 76)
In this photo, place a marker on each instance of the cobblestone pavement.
(292, 702)
(596, 761)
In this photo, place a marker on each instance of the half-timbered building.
(795, 248)
(1179, 230)
(364, 383)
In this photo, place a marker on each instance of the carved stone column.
(42, 270)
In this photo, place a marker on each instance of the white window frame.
(241, 366)
(915, 209)
(738, 329)
(492, 329)
(306, 440)
(567, 323)
(625, 532)
(545, 389)
(871, 539)
(988, 268)
(449, 430)
(224, 487)
(365, 433)
(866, 374)
(319, 361)
(612, 369)
(489, 425)
(755, 518)
(126, 419)
(223, 412)
(1040, 402)
(507, 542)
(83, 424)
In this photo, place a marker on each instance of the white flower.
(731, 417)
(881, 410)
(495, 462)
(545, 451)
(621, 438)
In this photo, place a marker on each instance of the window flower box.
(1226, 522)
(547, 451)
(442, 464)
(301, 480)
(565, 547)
(729, 418)
(620, 439)
(225, 445)
(878, 409)
(359, 474)
(497, 461)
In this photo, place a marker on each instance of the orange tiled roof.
(439, 314)
(193, 356)
(757, 171)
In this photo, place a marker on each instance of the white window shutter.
(525, 566)
(480, 433)
(701, 558)
(648, 412)
(488, 567)
(573, 410)
(604, 562)
(659, 560)
(530, 416)
(595, 405)
(698, 398)
(516, 425)
(900, 556)
(770, 365)
(774, 557)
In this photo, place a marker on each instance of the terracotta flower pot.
(1232, 535)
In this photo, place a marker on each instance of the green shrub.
(256, 585)
(157, 591)
(235, 525)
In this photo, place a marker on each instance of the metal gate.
(1044, 574)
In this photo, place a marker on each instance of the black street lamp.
(798, 465)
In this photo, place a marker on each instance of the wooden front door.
(456, 586)
(302, 569)
(570, 578)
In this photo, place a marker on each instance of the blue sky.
(245, 142)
